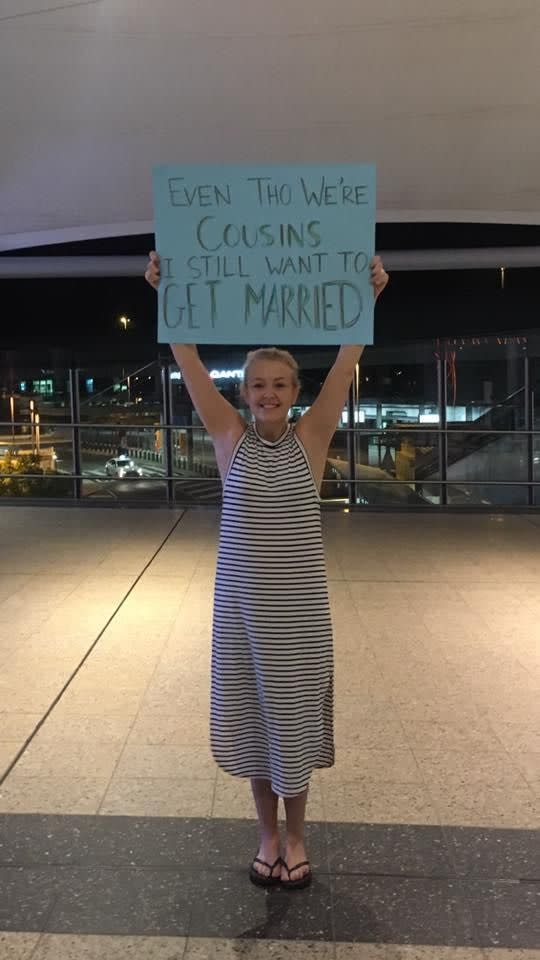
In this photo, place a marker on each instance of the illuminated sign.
(42, 386)
(216, 375)
(359, 417)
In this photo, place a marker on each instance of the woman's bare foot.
(295, 852)
(269, 853)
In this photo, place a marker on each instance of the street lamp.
(12, 412)
(32, 422)
(36, 421)
(124, 322)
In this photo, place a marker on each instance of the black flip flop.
(302, 882)
(259, 879)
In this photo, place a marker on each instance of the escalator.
(464, 439)
(372, 487)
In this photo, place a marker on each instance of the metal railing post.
(443, 438)
(166, 393)
(351, 447)
(75, 405)
(529, 425)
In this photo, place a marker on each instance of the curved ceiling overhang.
(443, 97)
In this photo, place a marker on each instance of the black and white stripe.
(272, 655)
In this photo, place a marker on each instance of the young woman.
(272, 657)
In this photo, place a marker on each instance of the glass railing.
(134, 438)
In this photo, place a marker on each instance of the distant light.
(359, 416)
(429, 418)
(215, 375)
(226, 374)
(124, 322)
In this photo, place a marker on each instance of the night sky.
(416, 305)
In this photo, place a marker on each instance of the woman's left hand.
(379, 277)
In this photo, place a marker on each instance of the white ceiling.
(443, 95)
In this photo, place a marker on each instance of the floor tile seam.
(486, 826)
(467, 912)
(487, 882)
(531, 672)
(481, 953)
(391, 696)
(138, 869)
(124, 746)
(19, 588)
(384, 581)
(522, 776)
(143, 694)
(337, 560)
(225, 822)
(186, 941)
(410, 747)
(447, 581)
(66, 685)
(119, 757)
(370, 646)
(427, 791)
(466, 685)
(466, 751)
(214, 793)
(333, 927)
(49, 913)
(326, 842)
(38, 944)
(434, 803)
(465, 915)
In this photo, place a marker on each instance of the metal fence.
(494, 464)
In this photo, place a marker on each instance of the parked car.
(121, 467)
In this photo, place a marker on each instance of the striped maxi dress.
(272, 650)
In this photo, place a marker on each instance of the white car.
(121, 467)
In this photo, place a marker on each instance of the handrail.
(364, 481)
(424, 428)
(81, 442)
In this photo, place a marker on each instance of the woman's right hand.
(153, 270)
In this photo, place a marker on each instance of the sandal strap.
(271, 867)
(303, 863)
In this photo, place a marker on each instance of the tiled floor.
(120, 838)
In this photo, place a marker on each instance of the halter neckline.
(272, 443)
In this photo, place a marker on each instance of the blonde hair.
(272, 353)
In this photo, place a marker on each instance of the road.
(151, 486)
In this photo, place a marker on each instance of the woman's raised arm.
(219, 417)
(318, 424)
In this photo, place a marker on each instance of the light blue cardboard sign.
(264, 255)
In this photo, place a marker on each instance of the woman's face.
(270, 390)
